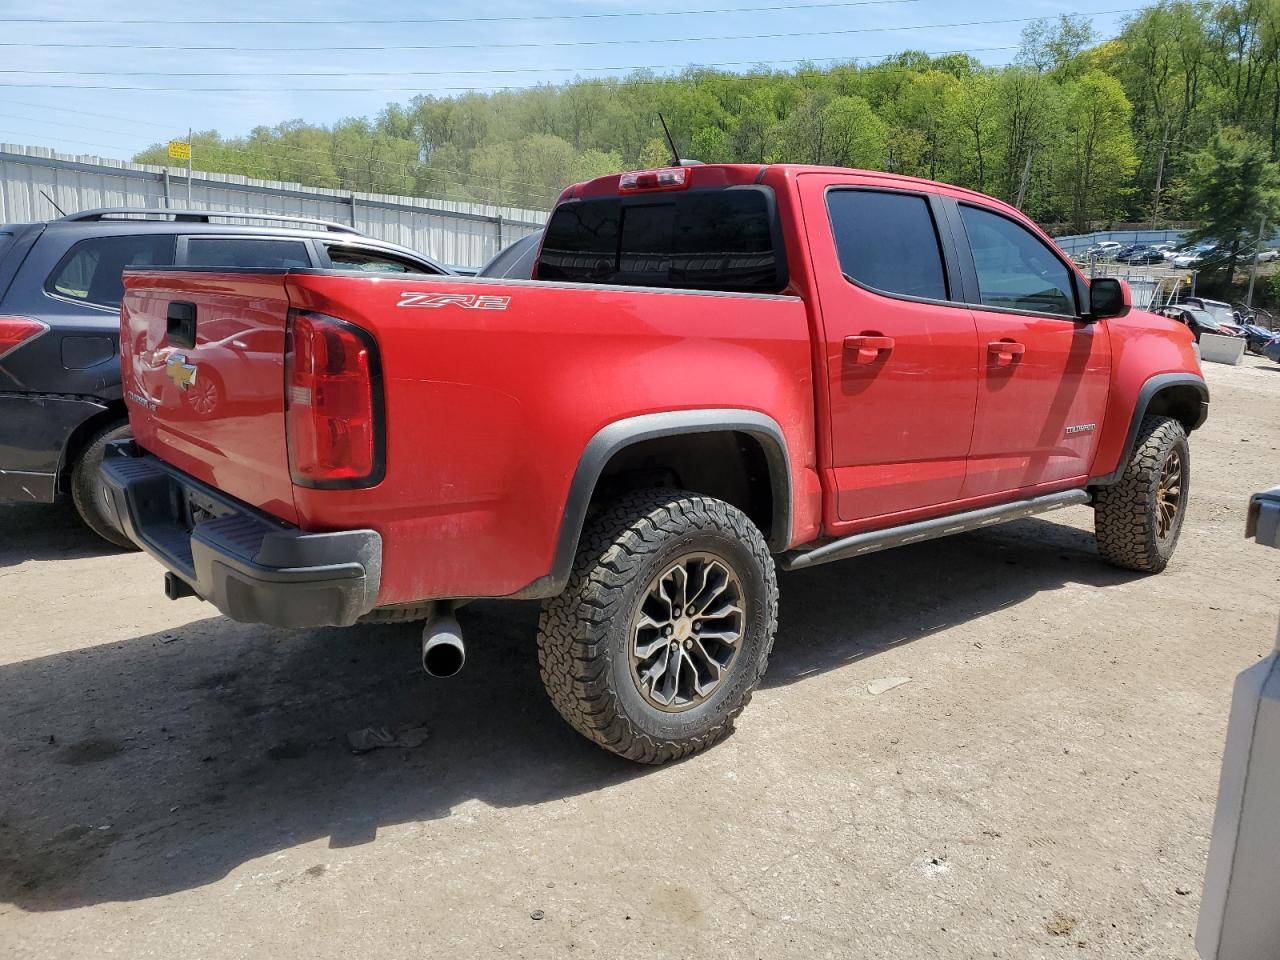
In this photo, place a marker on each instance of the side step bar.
(873, 540)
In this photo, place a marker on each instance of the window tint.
(90, 271)
(888, 241)
(372, 261)
(246, 252)
(1016, 270)
(699, 239)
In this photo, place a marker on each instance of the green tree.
(1098, 148)
(1232, 185)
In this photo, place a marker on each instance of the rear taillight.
(15, 331)
(333, 403)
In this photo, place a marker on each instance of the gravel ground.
(177, 785)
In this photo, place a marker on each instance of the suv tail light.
(15, 331)
(333, 403)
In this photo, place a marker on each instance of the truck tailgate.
(202, 362)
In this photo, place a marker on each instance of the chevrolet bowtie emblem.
(177, 369)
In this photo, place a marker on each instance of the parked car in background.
(1144, 255)
(1271, 350)
(1197, 320)
(1104, 250)
(514, 261)
(1195, 255)
(1256, 337)
(60, 396)
(1267, 256)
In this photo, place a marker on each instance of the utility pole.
(188, 168)
(1253, 268)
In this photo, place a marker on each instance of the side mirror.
(1108, 297)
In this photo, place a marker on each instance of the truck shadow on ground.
(159, 764)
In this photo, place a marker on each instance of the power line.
(498, 70)
(584, 43)
(168, 22)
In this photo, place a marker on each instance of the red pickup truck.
(716, 370)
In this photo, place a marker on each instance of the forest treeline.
(1077, 130)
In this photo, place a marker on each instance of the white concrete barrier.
(1221, 349)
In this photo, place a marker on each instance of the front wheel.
(1138, 518)
(665, 627)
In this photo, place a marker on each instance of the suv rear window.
(90, 271)
(246, 252)
(723, 239)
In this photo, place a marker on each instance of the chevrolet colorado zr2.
(715, 371)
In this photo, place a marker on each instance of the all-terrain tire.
(1125, 512)
(87, 491)
(585, 633)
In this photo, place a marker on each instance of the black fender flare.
(620, 434)
(1148, 392)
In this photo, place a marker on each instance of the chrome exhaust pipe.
(443, 652)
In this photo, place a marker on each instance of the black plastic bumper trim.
(253, 567)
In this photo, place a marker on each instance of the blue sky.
(269, 85)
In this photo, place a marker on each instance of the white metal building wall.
(456, 233)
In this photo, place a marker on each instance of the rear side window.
(1015, 269)
(699, 240)
(90, 270)
(888, 241)
(371, 261)
(246, 252)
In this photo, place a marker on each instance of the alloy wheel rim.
(687, 632)
(1169, 496)
(204, 397)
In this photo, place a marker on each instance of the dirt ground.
(176, 785)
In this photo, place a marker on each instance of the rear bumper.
(34, 429)
(250, 565)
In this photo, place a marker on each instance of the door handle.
(868, 349)
(1004, 352)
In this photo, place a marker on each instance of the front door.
(900, 354)
(1044, 371)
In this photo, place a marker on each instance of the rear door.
(1044, 371)
(899, 351)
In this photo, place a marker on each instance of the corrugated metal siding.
(461, 234)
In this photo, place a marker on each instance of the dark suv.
(60, 290)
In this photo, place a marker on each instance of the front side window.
(90, 271)
(694, 240)
(888, 241)
(246, 252)
(1015, 269)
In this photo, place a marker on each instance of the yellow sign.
(179, 150)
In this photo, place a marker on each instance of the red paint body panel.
(233, 437)
(488, 411)
(1143, 345)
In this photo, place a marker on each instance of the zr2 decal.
(467, 301)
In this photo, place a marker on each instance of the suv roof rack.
(200, 216)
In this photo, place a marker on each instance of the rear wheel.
(665, 627)
(88, 492)
(1138, 518)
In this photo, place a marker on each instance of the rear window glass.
(888, 241)
(246, 252)
(90, 270)
(699, 239)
